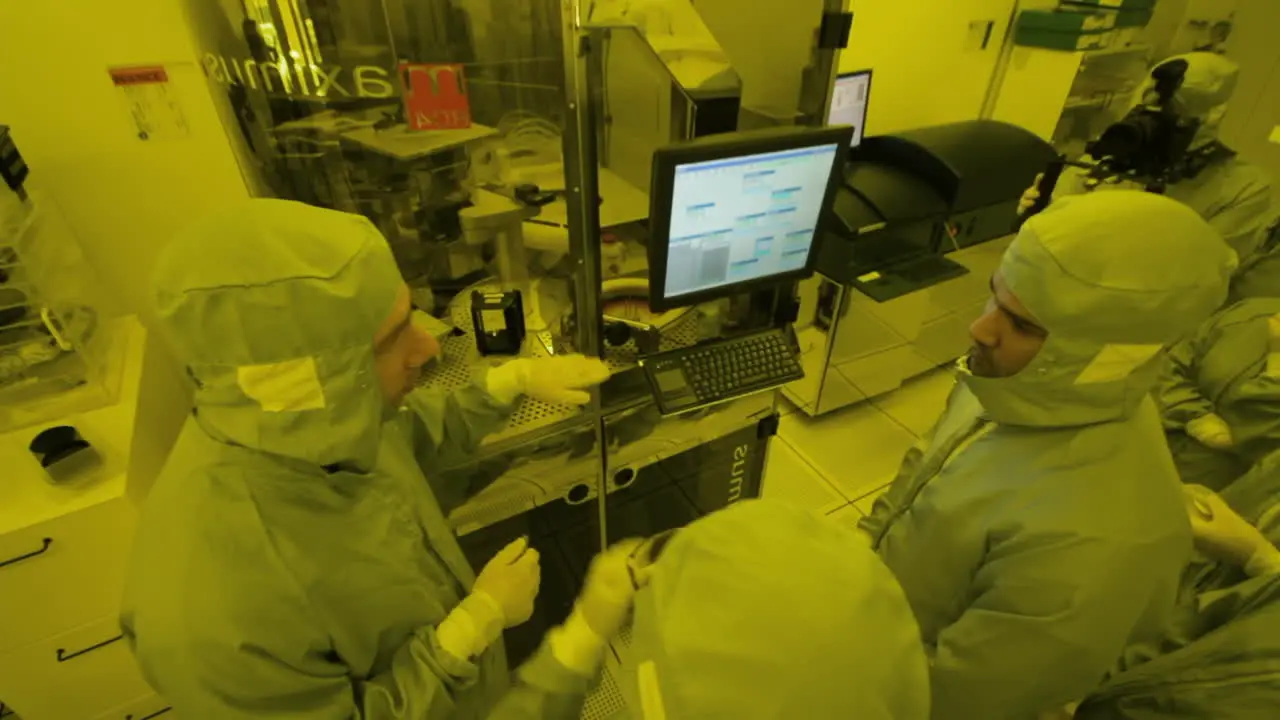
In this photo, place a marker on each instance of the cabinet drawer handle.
(155, 714)
(43, 549)
(64, 656)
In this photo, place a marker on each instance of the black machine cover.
(971, 164)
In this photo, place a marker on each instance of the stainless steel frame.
(582, 183)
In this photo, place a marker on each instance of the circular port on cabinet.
(578, 494)
(624, 478)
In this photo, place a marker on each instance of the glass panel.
(456, 127)
(1104, 91)
(441, 121)
(62, 345)
(785, 77)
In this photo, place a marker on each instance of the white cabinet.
(76, 674)
(70, 573)
(63, 552)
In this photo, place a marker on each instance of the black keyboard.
(701, 375)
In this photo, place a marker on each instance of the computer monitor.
(849, 101)
(737, 212)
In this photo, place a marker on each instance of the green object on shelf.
(1066, 21)
(1034, 37)
(1114, 4)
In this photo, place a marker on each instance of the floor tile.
(785, 406)
(864, 505)
(918, 403)
(849, 515)
(857, 449)
(790, 479)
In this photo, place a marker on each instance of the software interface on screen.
(746, 218)
(849, 103)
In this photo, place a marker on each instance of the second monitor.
(736, 212)
(850, 100)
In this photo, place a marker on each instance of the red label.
(435, 96)
(138, 75)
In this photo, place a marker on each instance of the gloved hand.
(502, 597)
(610, 588)
(1220, 532)
(1030, 197)
(557, 380)
(511, 581)
(601, 610)
(1211, 431)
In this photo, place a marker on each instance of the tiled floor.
(838, 464)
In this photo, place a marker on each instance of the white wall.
(929, 66)
(1254, 114)
(124, 197)
(1165, 27)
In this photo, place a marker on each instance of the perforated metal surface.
(606, 702)
(460, 356)
(544, 471)
(537, 479)
(456, 367)
(681, 333)
(623, 640)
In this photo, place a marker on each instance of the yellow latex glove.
(1030, 197)
(511, 579)
(1220, 532)
(1211, 431)
(560, 380)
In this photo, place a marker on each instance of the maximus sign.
(303, 80)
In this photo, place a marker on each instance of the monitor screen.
(849, 102)
(744, 219)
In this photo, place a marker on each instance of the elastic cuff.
(487, 614)
(1264, 562)
(576, 646)
(457, 635)
(506, 382)
(472, 626)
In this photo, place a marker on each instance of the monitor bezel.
(866, 109)
(665, 162)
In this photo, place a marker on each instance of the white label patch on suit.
(289, 386)
(651, 706)
(1116, 362)
(1273, 347)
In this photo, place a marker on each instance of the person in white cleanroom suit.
(1040, 527)
(1220, 655)
(760, 611)
(766, 612)
(292, 560)
(1232, 195)
(1220, 394)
